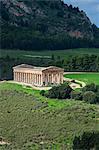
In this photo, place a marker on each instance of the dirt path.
(75, 85)
(80, 72)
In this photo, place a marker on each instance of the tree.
(61, 92)
(53, 57)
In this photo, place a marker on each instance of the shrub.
(87, 141)
(61, 92)
(76, 95)
(90, 97)
(90, 87)
(42, 92)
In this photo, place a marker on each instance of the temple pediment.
(53, 68)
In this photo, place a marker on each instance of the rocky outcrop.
(50, 17)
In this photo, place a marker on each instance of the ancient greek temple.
(38, 76)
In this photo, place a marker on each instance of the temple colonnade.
(38, 79)
(30, 78)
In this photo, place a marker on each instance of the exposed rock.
(52, 15)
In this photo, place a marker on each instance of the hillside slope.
(50, 23)
(30, 121)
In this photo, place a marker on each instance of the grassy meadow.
(29, 121)
(85, 77)
(48, 54)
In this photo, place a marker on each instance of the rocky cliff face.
(49, 17)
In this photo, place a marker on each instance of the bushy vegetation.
(77, 95)
(60, 92)
(89, 94)
(88, 140)
(30, 121)
(64, 59)
(28, 39)
(90, 97)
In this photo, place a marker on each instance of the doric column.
(14, 76)
(22, 77)
(19, 76)
(29, 77)
(52, 77)
(58, 78)
(36, 78)
(33, 78)
(39, 79)
(48, 78)
(25, 77)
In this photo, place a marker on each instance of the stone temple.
(38, 76)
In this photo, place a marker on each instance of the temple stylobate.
(38, 76)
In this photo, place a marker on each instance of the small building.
(38, 76)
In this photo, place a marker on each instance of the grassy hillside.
(30, 121)
(86, 77)
(48, 54)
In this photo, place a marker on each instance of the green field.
(48, 54)
(29, 121)
(85, 77)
